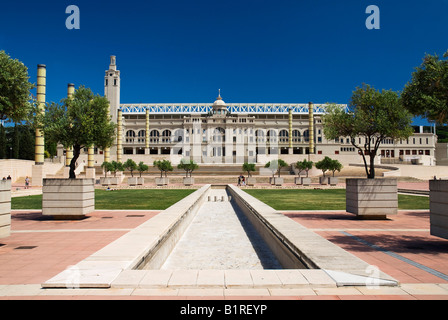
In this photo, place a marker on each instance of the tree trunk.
(76, 153)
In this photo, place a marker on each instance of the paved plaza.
(39, 248)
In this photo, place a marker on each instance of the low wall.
(304, 245)
(18, 169)
(5, 208)
(438, 204)
(68, 198)
(145, 247)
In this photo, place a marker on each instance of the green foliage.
(426, 95)
(374, 116)
(14, 89)
(81, 122)
(131, 166)
(249, 167)
(304, 165)
(276, 166)
(188, 165)
(335, 165)
(108, 167)
(325, 164)
(116, 167)
(164, 166)
(142, 167)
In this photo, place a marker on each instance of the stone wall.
(68, 198)
(372, 198)
(438, 199)
(5, 208)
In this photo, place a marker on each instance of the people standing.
(27, 182)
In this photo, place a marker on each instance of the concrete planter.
(278, 181)
(5, 208)
(438, 206)
(162, 181)
(306, 181)
(68, 198)
(372, 198)
(114, 181)
(132, 181)
(140, 181)
(250, 181)
(105, 181)
(188, 181)
(298, 180)
(323, 180)
(332, 181)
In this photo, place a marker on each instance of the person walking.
(27, 182)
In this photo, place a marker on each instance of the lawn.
(160, 199)
(137, 199)
(329, 199)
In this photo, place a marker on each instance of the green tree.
(142, 168)
(188, 165)
(131, 166)
(276, 166)
(324, 165)
(15, 89)
(108, 167)
(80, 122)
(373, 116)
(164, 166)
(426, 95)
(304, 165)
(335, 165)
(249, 167)
(116, 167)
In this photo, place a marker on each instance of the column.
(37, 169)
(290, 132)
(147, 132)
(311, 127)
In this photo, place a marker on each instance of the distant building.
(235, 133)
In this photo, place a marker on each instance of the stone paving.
(205, 243)
(39, 248)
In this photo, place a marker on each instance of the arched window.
(306, 135)
(259, 134)
(130, 135)
(166, 136)
(284, 136)
(141, 136)
(296, 136)
(154, 136)
(272, 136)
(219, 135)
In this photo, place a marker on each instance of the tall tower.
(112, 88)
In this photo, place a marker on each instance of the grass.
(330, 199)
(140, 199)
(159, 199)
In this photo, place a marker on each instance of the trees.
(335, 165)
(108, 167)
(324, 165)
(116, 166)
(15, 89)
(304, 165)
(142, 168)
(426, 95)
(80, 121)
(131, 166)
(188, 165)
(373, 116)
(249, 167)
(164, 166)
(276, 166)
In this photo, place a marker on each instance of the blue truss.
(233, 108)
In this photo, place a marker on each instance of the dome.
(219, 102)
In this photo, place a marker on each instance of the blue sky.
(253, 50)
